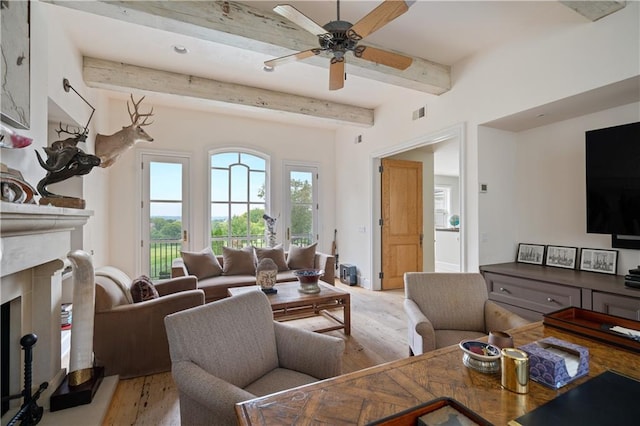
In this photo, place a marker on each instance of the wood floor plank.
(378, 335)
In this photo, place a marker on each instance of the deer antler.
(135, 116)
(66, 130)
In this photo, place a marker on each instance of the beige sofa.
(215, 288)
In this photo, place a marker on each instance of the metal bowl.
(481, 366)
(480, 356)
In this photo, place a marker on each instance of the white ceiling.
(439, 31)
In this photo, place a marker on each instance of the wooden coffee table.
(288, 303)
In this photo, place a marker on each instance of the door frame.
(456, 132)
(186, 185)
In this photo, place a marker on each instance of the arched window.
(239, 194)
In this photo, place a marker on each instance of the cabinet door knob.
(504, 290)
(551, 300)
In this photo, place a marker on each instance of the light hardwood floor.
(378, 335)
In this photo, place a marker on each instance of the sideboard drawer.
(530, 294)
(614, 304)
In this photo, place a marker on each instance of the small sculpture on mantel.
(65, 160)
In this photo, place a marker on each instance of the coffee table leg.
(347, 315)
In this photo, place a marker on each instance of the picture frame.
(15, 108)
(530, 253)
(599, 260)
(561, 257)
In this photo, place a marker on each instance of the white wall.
(498, 207)
(512, 78)
(195, 133)
(551, 203)
(52, 59)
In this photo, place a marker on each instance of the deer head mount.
(109, 148)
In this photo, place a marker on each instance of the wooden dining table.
(367, 395)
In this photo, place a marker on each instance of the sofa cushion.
(301, 257)
(274, 253)
(143, 289)
(238, 261)
(279, 379)
(215, 288)
(202, 264)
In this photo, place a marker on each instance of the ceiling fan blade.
(383, 57)
(298, 18)
(378, 18)
(291, 58)
(336, 75)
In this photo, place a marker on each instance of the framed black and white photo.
(599, 260)
(561, 257)
(530, 253)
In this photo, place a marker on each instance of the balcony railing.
(162, 252)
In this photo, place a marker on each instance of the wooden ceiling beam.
(121, 77)
(239, 25)
(595, 10)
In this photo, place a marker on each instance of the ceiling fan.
(339, 37)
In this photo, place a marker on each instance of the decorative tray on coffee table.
(438, 411)
(616, 331)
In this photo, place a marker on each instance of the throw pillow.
(143, 289)
(301, 257)
(238, 261)
(274, 253)
(203, 264)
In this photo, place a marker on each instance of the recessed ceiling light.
(178, 48)
(267, 68)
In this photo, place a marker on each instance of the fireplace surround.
(35, 241)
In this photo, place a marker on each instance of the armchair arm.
(178, 268)
(120, 352)
(420, 325)
(327, 263)
(318, 355)
(176, 285)
(498, 318)
(212, 393)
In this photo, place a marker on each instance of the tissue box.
(554, 362)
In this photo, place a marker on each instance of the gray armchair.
(445, 308)
(232, 350)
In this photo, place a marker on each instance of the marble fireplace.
(35, 241)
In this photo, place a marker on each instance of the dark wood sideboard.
(533, 290)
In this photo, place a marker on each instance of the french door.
(165, 216)
(301, 212)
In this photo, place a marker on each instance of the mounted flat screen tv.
(613, 180)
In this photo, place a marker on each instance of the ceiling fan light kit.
(339, 37)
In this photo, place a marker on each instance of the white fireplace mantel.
(22, 228)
